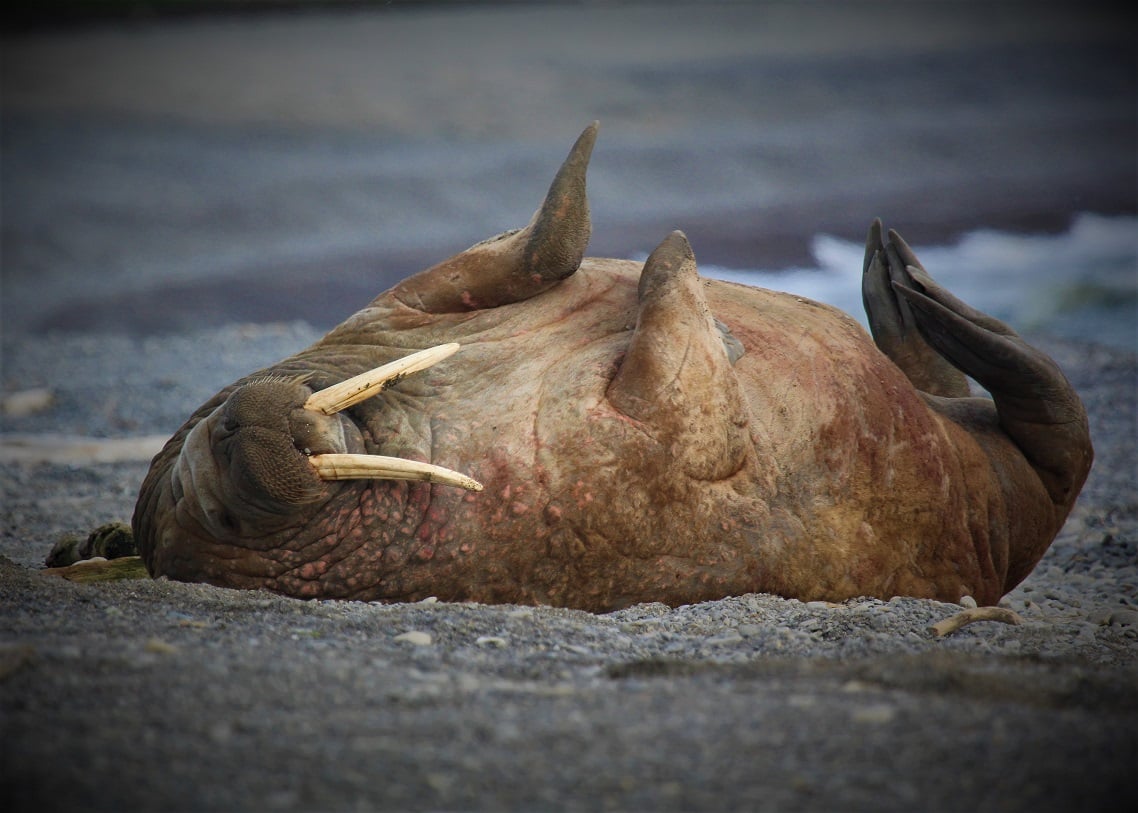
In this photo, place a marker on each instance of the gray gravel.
(345, 143)
(159, 695)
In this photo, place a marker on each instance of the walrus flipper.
(676, 378)
(1036, 405)
(519, 264)
(891, 319)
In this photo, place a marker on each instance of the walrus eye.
(339, 397)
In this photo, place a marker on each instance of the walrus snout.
(273, 446)
(247, 462)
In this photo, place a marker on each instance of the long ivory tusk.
(358, 388)
(378, 467)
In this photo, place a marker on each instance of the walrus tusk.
(955, 622)
(378, 467)
(339, 397)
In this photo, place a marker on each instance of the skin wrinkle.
(342, 552)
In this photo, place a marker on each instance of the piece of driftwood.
(970, 616)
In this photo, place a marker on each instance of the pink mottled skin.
(626, 454)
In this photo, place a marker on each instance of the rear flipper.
(519, 264)
(676, 378)
(891, 319)
(1036, 405)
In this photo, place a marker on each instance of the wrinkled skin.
(642, 434)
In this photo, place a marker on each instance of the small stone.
(1124, 618)
(490, 640)
(415, 637)
(94, 560)
(1086, 634)
(26, 402)
(750, 630)
(160, 647)
(968, 602)
(877, 714)
(1101, 617)
(725, 639)
(578, 650)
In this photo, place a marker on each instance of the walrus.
(521, 424)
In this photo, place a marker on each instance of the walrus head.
(260, 462)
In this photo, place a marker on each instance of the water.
(1079, 284)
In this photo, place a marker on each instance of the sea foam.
(1079, 284)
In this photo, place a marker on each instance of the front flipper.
(519, 264)
(891, 319)
(676, 378)
(1037, 407)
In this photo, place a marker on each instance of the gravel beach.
(159, 695)
(154, 695)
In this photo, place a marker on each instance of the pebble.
(578, 650)
(1123, 618)
(1086, 634)
(726, 638)
(968, 602)
(160, 647)
(23, 403)
(415, 637)
(876, 714)
(488, 640)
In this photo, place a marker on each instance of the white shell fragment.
(415, 638)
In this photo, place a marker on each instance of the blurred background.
(168, 166)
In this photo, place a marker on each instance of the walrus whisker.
(339, 397)
(379, 467)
